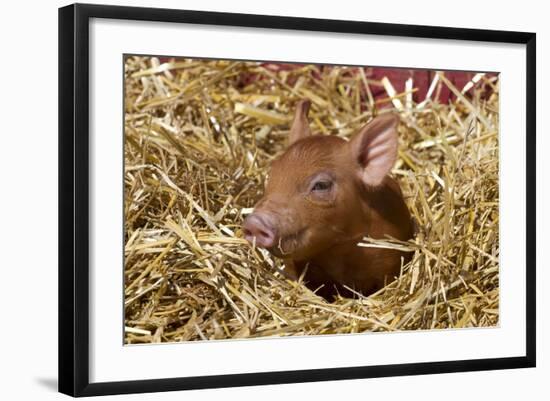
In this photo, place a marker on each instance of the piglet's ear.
(374, 147)
(300, 125)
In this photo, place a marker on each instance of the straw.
(199, 137)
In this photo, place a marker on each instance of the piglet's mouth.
(288, 245)
(263, 230)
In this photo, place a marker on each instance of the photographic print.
(282, 199)
(316, 184)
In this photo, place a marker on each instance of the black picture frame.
(74, 194)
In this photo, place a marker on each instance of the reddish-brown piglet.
(322, 196)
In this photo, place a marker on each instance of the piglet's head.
(316, 193)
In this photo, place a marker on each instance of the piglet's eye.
(322, 186)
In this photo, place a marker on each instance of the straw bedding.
(199, 136)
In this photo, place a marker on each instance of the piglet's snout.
(260, 226)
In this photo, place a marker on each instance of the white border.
(111, 361)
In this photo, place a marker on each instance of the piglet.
(322, 196)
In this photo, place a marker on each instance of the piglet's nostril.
(258, 227)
